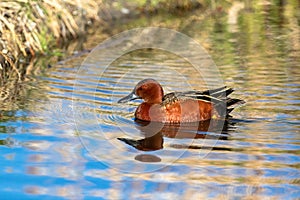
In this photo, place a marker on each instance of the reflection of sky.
(42, 155)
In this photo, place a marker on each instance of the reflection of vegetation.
(6, 129)
(7, 142)
(7, 116)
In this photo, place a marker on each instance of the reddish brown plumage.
(188, 110)
(188, 106)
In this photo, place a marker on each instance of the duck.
(180, 107)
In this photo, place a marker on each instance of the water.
(98, 151)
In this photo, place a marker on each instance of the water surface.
(46, 152)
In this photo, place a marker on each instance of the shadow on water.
(154, 132)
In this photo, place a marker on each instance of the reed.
(28, 27)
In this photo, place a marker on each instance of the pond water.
(71, 139)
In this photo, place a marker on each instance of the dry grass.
(28, 23)
(31, 26)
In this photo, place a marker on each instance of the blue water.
(63, 142)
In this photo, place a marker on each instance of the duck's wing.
(219, 97)
(171, 98)
(215, 96)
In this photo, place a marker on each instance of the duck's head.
(148, 89)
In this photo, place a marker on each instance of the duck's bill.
(130, 97)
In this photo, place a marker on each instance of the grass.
(33, 24)
(28, 27)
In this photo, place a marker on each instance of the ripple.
(52, 151)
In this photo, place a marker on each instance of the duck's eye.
(139, 91)
(144, 87)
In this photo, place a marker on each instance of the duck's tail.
(219, 97)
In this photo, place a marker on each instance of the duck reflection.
(149, 143)
(154, 132)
